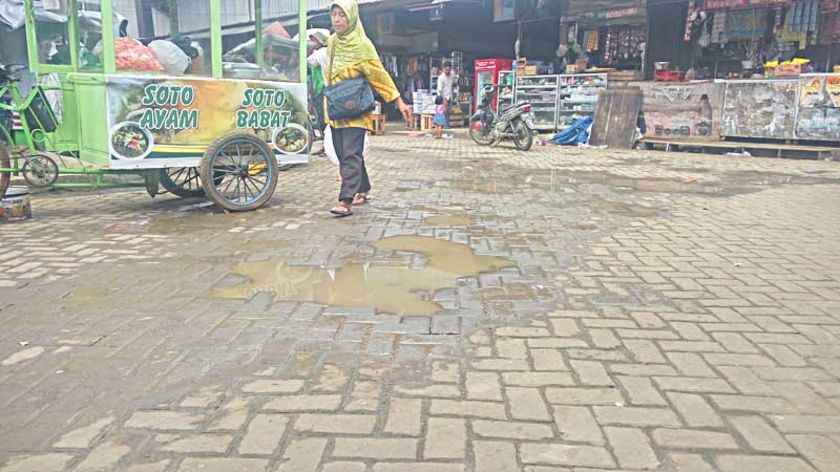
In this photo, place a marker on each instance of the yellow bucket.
(15, 204)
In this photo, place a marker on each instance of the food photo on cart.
(198, 99)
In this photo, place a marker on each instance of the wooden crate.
(427, 122)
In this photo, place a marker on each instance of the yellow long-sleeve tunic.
(379, 80)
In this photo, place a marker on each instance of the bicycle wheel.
(184, 182)
(5, 176)
(239, 172)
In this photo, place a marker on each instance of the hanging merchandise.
(746, 24)
(611, 46)
(591, 38)
(705, 39)
(719, 28)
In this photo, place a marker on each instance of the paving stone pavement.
(667, 312)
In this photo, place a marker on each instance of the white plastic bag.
(171, 57)
(329, 148)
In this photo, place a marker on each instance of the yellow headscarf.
(353, 46)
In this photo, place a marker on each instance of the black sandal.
(342, 210)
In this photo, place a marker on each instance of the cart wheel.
(5, 176)
(239, 172)
(184, 182)
(40, 170)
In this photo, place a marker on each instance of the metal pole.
(259, 52)
(302, 37)
(216, 37)
(108, 54)
(31, 37)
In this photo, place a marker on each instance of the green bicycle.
(22, 150)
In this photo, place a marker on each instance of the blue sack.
(576, 133)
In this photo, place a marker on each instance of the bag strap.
(331, 48)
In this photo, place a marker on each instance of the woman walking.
(352, 55)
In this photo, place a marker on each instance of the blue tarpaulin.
(576, 133)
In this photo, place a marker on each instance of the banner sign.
(819, 107)
(682, 111)
(711, 5)
(157, 122)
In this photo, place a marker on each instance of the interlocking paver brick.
(632, 448)
(760, 435)
(640, 391)
(559, 454)
(695, 410)
(511, 430)
(742, 463)
(484, 386)
(164, 420)
(264, 434)
(375, 448)
(334, 423)
(636, 416)
(292, 403)
(527, 404)
(445, 439)
(633, 287)
(494, 456)
(577, 424)
(693, 439)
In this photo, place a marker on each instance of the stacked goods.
(132, 55)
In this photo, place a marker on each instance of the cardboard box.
(787, 70)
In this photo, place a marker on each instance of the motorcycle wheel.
(480, 134)
(523, 139)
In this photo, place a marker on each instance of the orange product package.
(132, 55)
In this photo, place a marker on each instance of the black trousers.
(349, 146)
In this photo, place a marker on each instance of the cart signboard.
(819, 107)
(157, 122)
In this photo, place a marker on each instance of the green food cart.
(200, 97)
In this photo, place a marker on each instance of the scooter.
(515, 122)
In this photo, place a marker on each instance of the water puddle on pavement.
(450, 219)
(398, 290)
(261, 245)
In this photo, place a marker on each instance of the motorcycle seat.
(509, 107)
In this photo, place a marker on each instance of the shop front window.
(89, 21)
(51, 32)
(158, 36)
(273, 55)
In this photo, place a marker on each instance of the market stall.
(610, 34)
(558, 100)
(199, 110)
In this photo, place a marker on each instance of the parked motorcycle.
(515, 122)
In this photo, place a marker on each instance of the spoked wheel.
(523, 139)
(5, 163)
(239, 172)
(184, 182)
(481, 134)
(40, 170)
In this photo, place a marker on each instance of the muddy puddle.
(403, 291)
(721, 185)
(450, 219)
